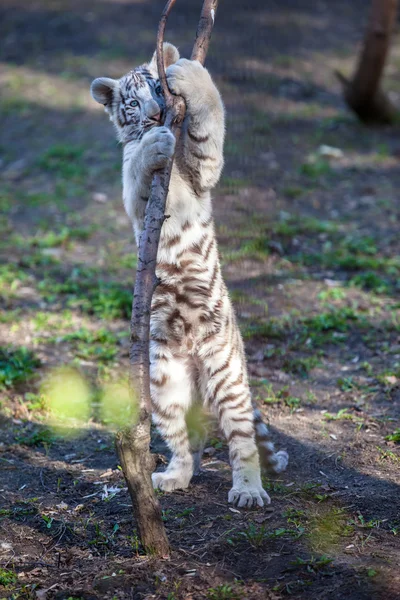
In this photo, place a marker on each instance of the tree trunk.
(133, 443)
(363, 93)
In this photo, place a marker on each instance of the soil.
(307, 215)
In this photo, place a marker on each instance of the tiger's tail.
(269, 459)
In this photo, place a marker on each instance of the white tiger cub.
(196, 350)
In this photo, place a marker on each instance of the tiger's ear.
(171, 55)
(103, 89)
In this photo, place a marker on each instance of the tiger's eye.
(134, 103)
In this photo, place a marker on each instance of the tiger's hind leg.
(227, 393)
(171, 394)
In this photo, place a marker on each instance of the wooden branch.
(204, 30)
(363, 93)
(133, 444)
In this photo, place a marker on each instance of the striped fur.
(196, 350)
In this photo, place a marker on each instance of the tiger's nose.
(153, 111)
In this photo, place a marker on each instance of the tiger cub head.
(135, 103)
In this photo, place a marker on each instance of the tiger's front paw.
(248, 496)
(158, 148)
(188, 78)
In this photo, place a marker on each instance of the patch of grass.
(40, 437)
(257, 247)
(293, 191)
(85, 290)
(64, 237)
(348, 384)
(316, 169)
(100, 345)
(328, 327)
(102, 335)
(370, 281)
(328, 528)
(7, 577)
(256, 536)
(301, 366)
(112, 302)
(222, 592)
(394, 437)
(337, 320)
(272, 328)
(35, 402)
(282, 396)
(19, 512)
(232, 185)
(275, 487)
(353, 254)
(360, 245)
(332, 294)
(11, 278)
(293, 225)
(312, 564)
(341, 415)
(64, 160)
(128, 261)
(16, 365)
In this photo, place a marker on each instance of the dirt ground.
(310, 249)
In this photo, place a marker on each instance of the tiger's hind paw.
(170, 481)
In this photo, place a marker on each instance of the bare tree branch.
(204, 29)
(133, 444)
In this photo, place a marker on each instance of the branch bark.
(363, 93)
(133, 443)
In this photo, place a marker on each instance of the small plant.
(254, 535)
(16, 365)
(283, 396)
(222, 592)
(7, 577)
(295, 517)
(135, 543)
(332, 294)
(312, 564)
(388, 455)
(346, 384)
(341, 415)
(394, 437)
(103, 538)
(48, 521)
(41, 437)
(35, 401)
(185, 513)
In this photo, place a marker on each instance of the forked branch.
(133, 443)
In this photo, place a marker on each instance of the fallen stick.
(133, 443)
